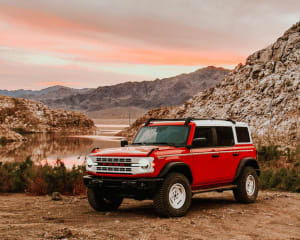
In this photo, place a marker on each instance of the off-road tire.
(161, 202)
(102, 203)
(240, 193)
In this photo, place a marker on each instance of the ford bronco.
(170, 160)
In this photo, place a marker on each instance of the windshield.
(168, 135)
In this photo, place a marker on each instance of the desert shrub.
(268, 153)
(39, 180)
(21, 131)
(297, 164)
(282, 179)
(13, 176)
(3, 141)
(265, 178)
(292, 155)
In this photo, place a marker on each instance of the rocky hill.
(265, 92)
(145, 95)
(19, 116)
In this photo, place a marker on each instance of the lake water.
(72, 150)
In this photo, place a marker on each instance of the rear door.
(228, 157)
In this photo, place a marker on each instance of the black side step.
(222, 188)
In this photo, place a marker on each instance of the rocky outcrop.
(7, 135)
(265, 92)
(19, 116)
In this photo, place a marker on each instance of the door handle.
(235, 154)
(215, 155)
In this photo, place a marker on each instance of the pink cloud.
(42, 31)
(70, 39)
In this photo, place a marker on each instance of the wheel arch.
(244, 163)
(179, 167)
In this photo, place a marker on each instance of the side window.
(206, 135)
(242, 134)
(224, 136)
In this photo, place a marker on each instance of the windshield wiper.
(161, 143)
(138, 143)
(158, 143)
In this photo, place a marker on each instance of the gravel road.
(275, 215)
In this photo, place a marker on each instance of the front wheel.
(102, 203)
(173, 198)
(247, 186)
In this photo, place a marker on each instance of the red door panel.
(205, 163)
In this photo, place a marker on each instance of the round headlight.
(89, 162)
(144, 163)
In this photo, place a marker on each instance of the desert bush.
(292, 155)
(297, 164)
(21, 131)
(3, 141)
(282, 179)
(39, 180)
(268, 153)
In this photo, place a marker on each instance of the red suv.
(170, 160)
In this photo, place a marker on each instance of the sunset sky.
(93, 43)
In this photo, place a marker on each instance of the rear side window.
(242, 134)
(224, 136)
(204, 132)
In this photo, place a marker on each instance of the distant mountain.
(15, 93)
(144, 95)
(53, 92)
(133, 97)
(265, 92)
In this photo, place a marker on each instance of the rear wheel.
(102, 203)
(247, 186)
(173, 198)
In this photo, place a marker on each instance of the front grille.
(114, 159)
(114, 165)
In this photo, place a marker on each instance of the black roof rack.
(186, 120)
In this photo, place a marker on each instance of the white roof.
(218, 123)
(212, 123)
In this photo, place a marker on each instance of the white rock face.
(265, 92)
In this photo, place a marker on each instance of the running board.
(222, 188)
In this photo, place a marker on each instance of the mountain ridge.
(144, 95)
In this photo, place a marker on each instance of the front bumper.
(137, 188)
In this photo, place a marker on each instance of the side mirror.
(124, 142)
(200, 142)
(94, 149)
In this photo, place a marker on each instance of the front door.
(205, 159)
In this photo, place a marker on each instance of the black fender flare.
(180, 167)
(248, 161)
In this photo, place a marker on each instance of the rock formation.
(265, 92)
(19, 116)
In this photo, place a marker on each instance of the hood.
(132, 151)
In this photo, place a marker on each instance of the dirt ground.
(275, 215)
